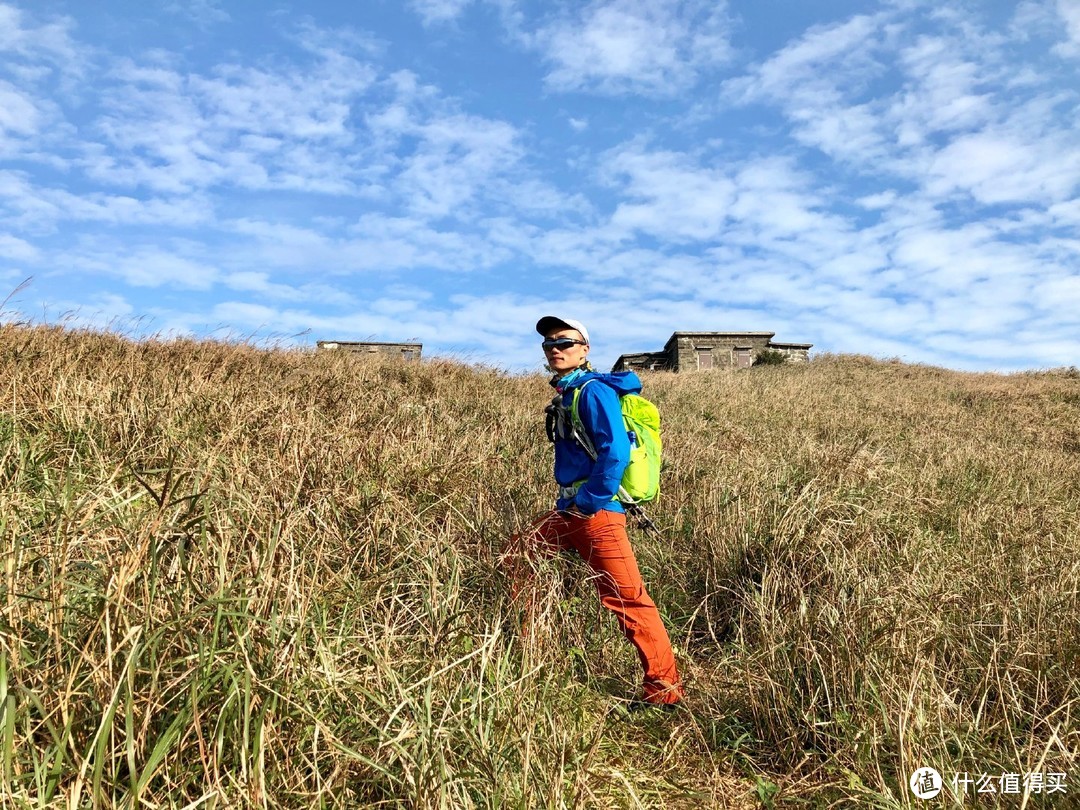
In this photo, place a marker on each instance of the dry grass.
(246, 578)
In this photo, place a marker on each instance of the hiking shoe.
(659, 691)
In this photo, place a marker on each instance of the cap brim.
(549, 322)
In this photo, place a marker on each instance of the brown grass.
(247, 578)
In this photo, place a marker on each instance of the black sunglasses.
(561, 343)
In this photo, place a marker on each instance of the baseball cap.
(549, 322)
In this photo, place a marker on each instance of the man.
(588, 516)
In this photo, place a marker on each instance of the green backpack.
(641, 481)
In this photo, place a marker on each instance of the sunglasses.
(561, 344)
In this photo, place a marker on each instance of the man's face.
(563, 359)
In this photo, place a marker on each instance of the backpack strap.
(557, 419)
(564, 424)
(582, 438)
(580, 434)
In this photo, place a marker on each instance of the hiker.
(588, 516)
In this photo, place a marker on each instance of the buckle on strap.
(569, 491)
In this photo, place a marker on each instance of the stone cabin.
(693, 351)
(406, 351)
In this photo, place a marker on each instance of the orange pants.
(602, 542)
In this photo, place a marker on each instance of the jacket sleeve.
(601, 416)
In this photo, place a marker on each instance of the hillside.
(245, 578)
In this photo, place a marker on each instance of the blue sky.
(896, 178)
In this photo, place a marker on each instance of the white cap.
(549, 322)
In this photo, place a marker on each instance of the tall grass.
(251, 578)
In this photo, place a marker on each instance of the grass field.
(235, 577)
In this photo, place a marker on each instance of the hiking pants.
(602, 542)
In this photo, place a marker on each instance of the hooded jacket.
(601, 416)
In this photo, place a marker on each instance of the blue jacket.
(601, 416)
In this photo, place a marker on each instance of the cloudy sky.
(891, 178)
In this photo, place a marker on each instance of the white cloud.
(439, 11)
(1061, 296)
(49, 42)
(287, 127)
(257, 316)
(820, 81)
(440, 14)
(141, 266)
(19, 114)
(780, 202)
(942, 93)
(457, 156)
(16, 249)
(35, 60)
(1069, 11)
(204, 13)
(41, 209)
(864, 91)
(380, 242)
(882, 199)
(946, 112)
(442, 163)
(312, 106)
(672, 197)
(375, 243)
(1009, 166)
(811, 70)
(1066, 214)
(644, 46)
(263, 285)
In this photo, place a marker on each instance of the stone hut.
(693, 351)
(406, 351)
